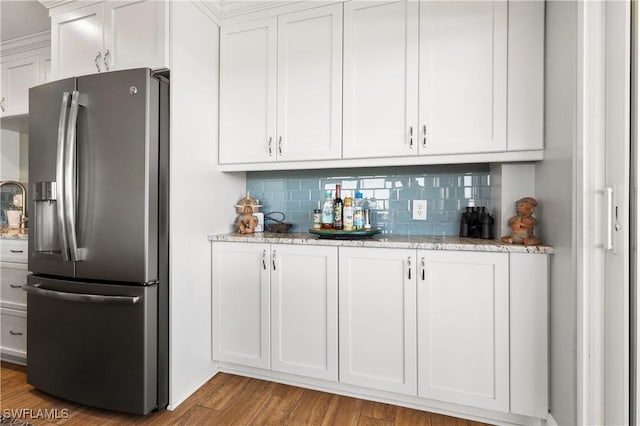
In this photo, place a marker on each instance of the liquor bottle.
(347, 214)
(327, 211)
(337, 209)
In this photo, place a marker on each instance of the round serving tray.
(335, 234)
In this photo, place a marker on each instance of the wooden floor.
(224, 400)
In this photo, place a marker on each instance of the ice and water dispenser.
(45, 216)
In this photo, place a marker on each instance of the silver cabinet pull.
(15, 285)
(105, 59)
(269, 146)
(15, 333)
(273, 260)
(97, 61)
(2, 104)
(424, 135)
(409, 266)
(16, 251)
(60, 176)
(81, 297)
(410, 136)
(280, 145)
(264, 257)
(423, 266)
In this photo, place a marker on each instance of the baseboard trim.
(465, 412)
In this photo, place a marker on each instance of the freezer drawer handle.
(79, 297)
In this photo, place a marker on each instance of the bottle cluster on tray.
(349, 214)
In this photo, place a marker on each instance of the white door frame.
(589, 208)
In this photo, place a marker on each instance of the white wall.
(554, 191)
(201, 197)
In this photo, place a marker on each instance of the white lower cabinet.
(304, 315)
(13, 300)
(463, 328)
(241, 304)
(377, 318)
(275, 307)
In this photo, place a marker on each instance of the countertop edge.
(413, 242)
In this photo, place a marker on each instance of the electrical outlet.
(419, 209)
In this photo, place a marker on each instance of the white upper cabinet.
(309, 100)
(248, 92)
(77, 41)
(109, 36)
(463, 76)
(380, 79)
(463, 328)
(377, 303)
(18, 75)
(425, 78)
(135, 34)
(281, 88)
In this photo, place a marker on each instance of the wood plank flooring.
(225, 400)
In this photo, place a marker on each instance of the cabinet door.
(135, 35)
(12, 277)
(309, 100)
(380, 79)
(463, 76)
(377, 303)
(463, 328)
(241, 303)
(18, 76)
(248, 92)
(77, 41)
(304, 320)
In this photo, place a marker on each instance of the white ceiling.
(19, 18)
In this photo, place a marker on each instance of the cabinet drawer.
(13, 333)
(12, 277)
(13, 251)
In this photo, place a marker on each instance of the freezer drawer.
(95, 344)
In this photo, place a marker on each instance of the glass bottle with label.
(337, 209)
(327, 211)
(347, 214)
(358, 212)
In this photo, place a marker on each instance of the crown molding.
(23, 44)
(230, 8)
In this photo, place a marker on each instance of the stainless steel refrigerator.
(97, 304)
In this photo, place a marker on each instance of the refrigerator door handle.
(80, 297)
(60, 179)
(70, 202)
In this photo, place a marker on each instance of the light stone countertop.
(425, 242)
(12, 234)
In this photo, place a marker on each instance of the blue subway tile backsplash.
(388, 192)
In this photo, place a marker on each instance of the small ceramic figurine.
(246, 223)
(523, 223)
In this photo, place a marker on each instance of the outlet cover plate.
(419, 209)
